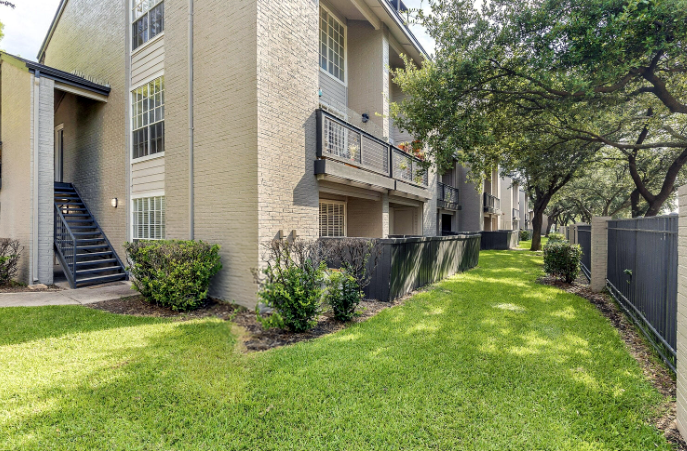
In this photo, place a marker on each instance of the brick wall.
(15, 134)
(91, 39)
(46, 178)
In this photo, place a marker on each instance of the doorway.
(59, 152)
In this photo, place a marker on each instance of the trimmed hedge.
(173, 273)
(562, 259)
(525, 235)
(343, 294)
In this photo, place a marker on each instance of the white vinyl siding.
(148, 62)
(148, 176)
(332, 45)
(333, 93)
(332, 218)
(149, 218)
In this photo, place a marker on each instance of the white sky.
(27, 24)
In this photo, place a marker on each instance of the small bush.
(173, 273)
(562, 259)
(10, 251)
(343, 294)
(292, 285)
(554, 237)
(525, 235)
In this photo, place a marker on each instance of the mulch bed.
(257, 338)
(654, 369)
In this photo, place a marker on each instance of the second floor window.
(332, 46)
(148, 118)
(149, 21)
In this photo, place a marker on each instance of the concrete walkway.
(79, 296)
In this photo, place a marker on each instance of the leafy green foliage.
(562, 259)
(10, 252)
(553, 237)
(292, 285)
(343, 294)
(173, 273)
(525, 235)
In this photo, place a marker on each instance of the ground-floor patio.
(488, 359)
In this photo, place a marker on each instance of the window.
(332, 218)
(149, 218)
(332, 45)
(149, 21)
(148, 114)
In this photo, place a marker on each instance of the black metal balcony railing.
(448, 196)
(492, 204)
(339, 140)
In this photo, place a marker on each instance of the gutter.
(191, 200)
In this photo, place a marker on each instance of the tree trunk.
(548, 226)
(634, 203)
(537, 220)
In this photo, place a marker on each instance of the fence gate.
(642, 277)
(584, 238)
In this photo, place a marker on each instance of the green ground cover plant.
(485, 360)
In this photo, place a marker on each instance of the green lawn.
(487, 360)
(528, 243)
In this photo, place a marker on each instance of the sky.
(27, 24)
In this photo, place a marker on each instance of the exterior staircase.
(85, 253)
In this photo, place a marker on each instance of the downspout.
(34, 197)
(190, 123)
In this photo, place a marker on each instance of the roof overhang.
(399, 30)
(69, 82)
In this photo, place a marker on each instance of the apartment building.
(231, 122)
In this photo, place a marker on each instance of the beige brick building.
(232, 122)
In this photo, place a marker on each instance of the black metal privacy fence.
(642, 277)
(584, 238)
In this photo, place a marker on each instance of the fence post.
(599, 253)
(682, 313)
(573, 234)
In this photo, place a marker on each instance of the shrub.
(10, 251)
(562, 259)
(525, 235)
(292, 284)
(173, 273)
(554, 237)
(343, 294)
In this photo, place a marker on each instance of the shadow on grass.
(25, 324)
(484, 360)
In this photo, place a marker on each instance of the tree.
(593, 72)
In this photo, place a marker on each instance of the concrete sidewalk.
(79, 296)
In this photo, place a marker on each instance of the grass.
(528, 243)
(487, 360)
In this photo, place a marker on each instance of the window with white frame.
(148, 21)
(332, 45)
(149, 218)
(148, 119)
(332, 218)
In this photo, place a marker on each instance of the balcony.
(492, 204)
(347, 152)
(447, 196)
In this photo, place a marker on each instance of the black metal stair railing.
(65, 244)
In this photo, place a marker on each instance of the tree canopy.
(518, 80)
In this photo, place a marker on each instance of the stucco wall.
(470, 217)
(365, 218)
(91, 40)
(15, 134)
